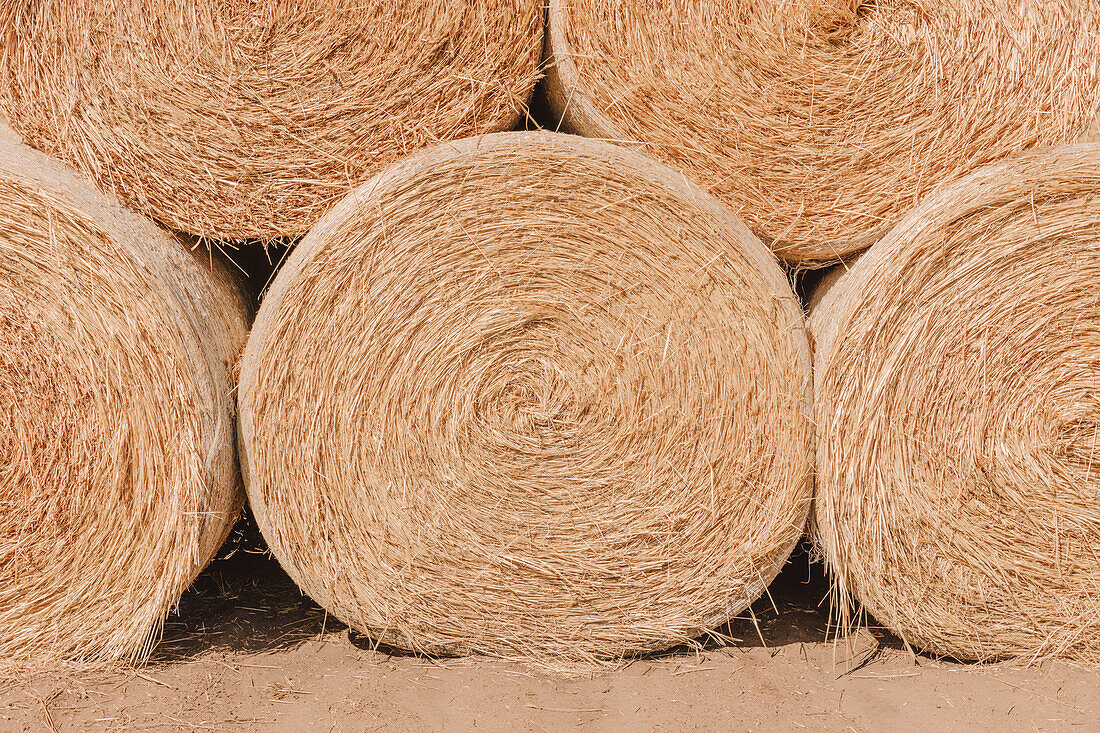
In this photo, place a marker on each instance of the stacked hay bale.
(957, 376)
(532, 396)
(241, 119)
(822, 123)
(118, 473)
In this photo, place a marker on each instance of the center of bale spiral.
(48, 446)
(487, 407)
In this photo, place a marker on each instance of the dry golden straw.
(118, 474)
(821, 123)
(532, 396)
(957, 375)
(240, 119)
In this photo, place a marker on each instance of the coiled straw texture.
(118, 476)
(957, 372)
(532, 396)
(822, 122)
(246, 119)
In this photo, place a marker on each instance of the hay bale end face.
(532, 396)
(248, 120)
(118, 475)
(822, 123)
(957, 372)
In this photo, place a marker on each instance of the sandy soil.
(248, 653)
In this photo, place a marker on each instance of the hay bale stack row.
(538, 396)
(118, 470)
(818, 123)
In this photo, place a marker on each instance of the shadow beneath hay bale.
(367, 643)
(795, 610)
(243, 602)
(804, 283)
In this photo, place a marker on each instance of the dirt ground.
(247, 652)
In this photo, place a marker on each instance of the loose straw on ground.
(957, 373)
(118, 473)
(248, 120)
(532, 396)
(821, 123)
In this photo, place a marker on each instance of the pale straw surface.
(118, 475)
(822, 122)
(957, 374)
(533, 396)
(241, 119)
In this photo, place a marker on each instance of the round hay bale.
(822, 123)
(532, 396)
(248, 120)
(957, 375)
(118, 474)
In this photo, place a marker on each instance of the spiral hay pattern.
(532, 396)
(118, 476)
(239, 119)
(957, 373)
(821, 123)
